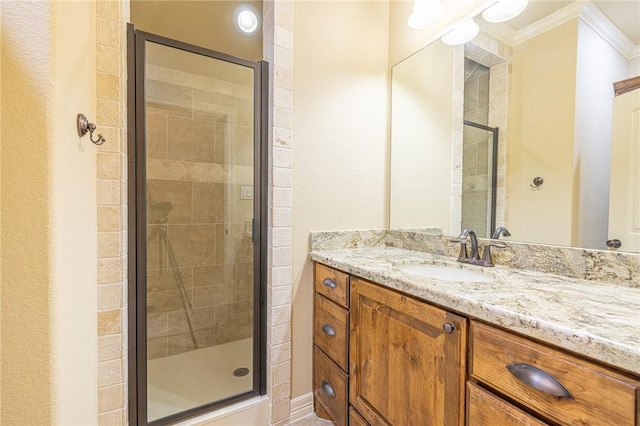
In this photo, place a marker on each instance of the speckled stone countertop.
(596, 319)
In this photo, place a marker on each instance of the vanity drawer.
(598, 395)
(331, 330)
(486, 409)
(330, 387)
(333, 284)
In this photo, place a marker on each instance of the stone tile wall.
(200, 159)
(111, 78)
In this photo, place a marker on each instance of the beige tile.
(108, 86)
(108, 113)
(110, 398)
(190, 140)
(156, 128)
(245, 113)
(193, 245)
(209, 202)
(177, 193)
(213, 276)
(109, 373)
(111, 418)
(108, 59)
(201, 319)
(183, 342)
(232, 245)
(244, 282)
(109, 322)
(110, 347)
(157, 348)
(209, 296)
(109, 218)
(233, 145)
(107, 32)
(110, 270)
(164, 293)
(168, 94)
(156, 248)
(108, 9)
(157, 326)
(108, 192)
(166, 109)
(109, 296)
(108, 244)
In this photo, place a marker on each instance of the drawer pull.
(328, 282)
(328, 330)
(538, 379)
(328, 389)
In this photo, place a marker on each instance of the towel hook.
(84, 126)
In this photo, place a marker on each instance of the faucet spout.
(500, 231)
(474, 243)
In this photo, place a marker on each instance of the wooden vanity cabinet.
(552, 384)
(407, 359)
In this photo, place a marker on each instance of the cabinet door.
(405, 368)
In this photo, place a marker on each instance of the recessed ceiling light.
(461, 34)
(504, 10)
(246, 20)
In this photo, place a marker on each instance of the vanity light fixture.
(425, 13)
(461, 34)
(245, 20)
(504, 10)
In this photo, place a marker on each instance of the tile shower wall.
(477, 149)
(200, 160)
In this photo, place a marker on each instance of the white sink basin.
(444, 273)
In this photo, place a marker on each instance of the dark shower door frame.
(494, 170)
(137, 230)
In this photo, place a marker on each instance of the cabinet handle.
(538, 379)
(328, 282)
(328, 389)
(328, 330)
(448, 327)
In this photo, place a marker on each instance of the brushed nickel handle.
(328, 282)
(448, 327)
(328, 330)
(328, 389)
(538, 379)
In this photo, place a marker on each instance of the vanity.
(473, 345)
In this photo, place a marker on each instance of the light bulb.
(461, 34)
(504, 10)
(245, 20)
(425, 13)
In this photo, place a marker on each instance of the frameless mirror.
(521, 128)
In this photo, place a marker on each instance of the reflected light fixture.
(461, 34)
(504, 10)
(425, 13)
(245, 20)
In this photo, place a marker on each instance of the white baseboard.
(301, 406)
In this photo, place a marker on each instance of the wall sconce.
(425, 13)
(504, 10)
(461, 34)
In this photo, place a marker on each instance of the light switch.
(246, 192)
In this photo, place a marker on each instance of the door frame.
(137, 233)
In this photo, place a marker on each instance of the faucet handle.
(462, 256)
(486, 254)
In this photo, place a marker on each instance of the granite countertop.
(599, 320)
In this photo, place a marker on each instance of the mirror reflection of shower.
(160, 212)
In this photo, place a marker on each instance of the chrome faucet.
(474, 246)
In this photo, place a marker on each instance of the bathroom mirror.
(544, 82)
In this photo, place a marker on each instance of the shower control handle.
(328, 330)
(328, 389)
(328, 282)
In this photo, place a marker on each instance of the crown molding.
(584, 10)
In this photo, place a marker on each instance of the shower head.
(160, 210)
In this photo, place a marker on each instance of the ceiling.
(625, 14)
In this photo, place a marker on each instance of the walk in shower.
(479, 153)
(197, 226)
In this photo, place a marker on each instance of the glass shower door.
(199, 176)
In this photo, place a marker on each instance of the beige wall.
(203, 23)
(421, 130)
(340, 132)
(48, 215)
(543, 150)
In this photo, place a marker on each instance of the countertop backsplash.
(595, 265)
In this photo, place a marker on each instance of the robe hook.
(84, 126)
